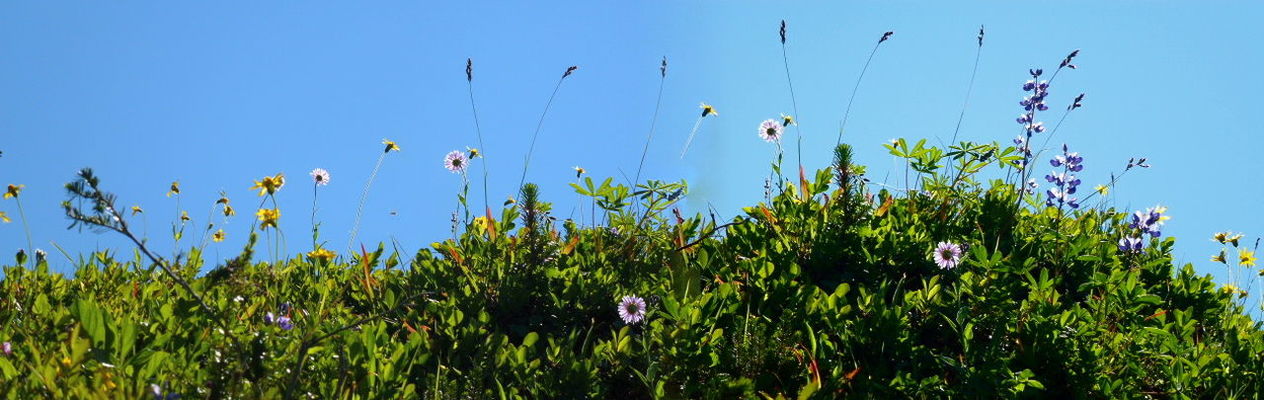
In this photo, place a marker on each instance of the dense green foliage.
(827, 290)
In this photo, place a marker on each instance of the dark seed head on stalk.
(980, 35)
(570, 70)
(663, 68)
(1076, 104)
(469, 70)
(1066, 62)
(783, 31)
(886, 36)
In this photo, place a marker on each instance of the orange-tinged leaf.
(491, 225)
(803, 185)
(886, 205)
(852, 375)
(570, 245)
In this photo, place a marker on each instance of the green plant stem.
(364, 196)
(481, 147)
(30, 244)
(793, 103)
(855, 89)
(527, 162)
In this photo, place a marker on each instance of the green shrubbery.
(829, 289)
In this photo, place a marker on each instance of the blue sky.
(217, 95)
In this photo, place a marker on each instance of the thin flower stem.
(794, 104)
(855, 89)
(1045, 145)
(653, 123)
(691, 134)
(364, 196)
(969, 90)
(527, 162)
(30, 246)
(314, 232)
(481, 147)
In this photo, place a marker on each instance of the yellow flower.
(1234, 239)
(175, 188)
(268, 217)
(708, 110)
(5, 217)
(322, 254)
(269, 184)
(13, 191)
(184, 216)
(389, 146)
(473, 152)
(787, 120)
(218, 236)
(1103, 189)
(228, 211)
(137, 210)
(222, 199)
(1220, 258)
(510, 200)
(579, 171)
(1220, 237)
(1232, 290)
(1246, 258)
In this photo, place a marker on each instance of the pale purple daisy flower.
(947, 255)
(320, 176)
(632, 309)
(770, 131)
(456, 161)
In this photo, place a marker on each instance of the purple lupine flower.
(632, 309)
(1130, 244)
(1150, 221)
(285, 323)
(947, 255)
(1066, 183)
(7, 348)
(269, 317)
(157, 391)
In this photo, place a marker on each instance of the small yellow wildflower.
(322, 254)
(5, 217)
(137, 210)
(708, 110)
(184, 216)
(268, 217)
(510, 200)
(474, 153)
(218, 236)
(175, 188)
(1220, 258)
(1246, 258)
(1234, 239)
(13, 191)
(269, 184)
(222, 200)
(1103, 189)
(1220, 237)
(389, 146)
(1232, 290)
(228, 211)
(787, 120)
(579, 171)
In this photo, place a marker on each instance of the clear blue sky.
(217, 95)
